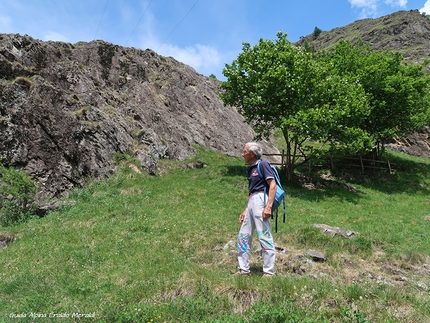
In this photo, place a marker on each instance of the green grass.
(136, 248)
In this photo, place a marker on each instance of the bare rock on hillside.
(335, 231)
(407, 32)
(67, 110)
(417, 144)
(316, 255)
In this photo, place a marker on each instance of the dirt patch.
(6, 238)
(323, 181)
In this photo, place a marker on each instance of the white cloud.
(397, 3)
(362, 3)
(203, 58)
(51, 35)
(369, 8)
(200, 57)
(426, 8)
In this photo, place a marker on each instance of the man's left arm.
(267, 211)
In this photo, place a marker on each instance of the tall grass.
(137, 248)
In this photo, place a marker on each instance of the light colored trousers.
(253, 221)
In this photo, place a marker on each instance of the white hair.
(255, 148)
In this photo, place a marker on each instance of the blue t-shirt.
(255, 182)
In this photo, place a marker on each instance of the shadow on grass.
(236, 170)
(410, 176)
(296, 190)
(325, 188)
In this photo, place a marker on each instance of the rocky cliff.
(406, 32)
(66, 110)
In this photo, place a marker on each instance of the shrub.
(17, 192)
(317, 32)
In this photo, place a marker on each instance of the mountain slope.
(407, 32)
(67, 110)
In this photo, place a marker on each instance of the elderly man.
(257, 214)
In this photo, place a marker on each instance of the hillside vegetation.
(136, 248)
(406, 32)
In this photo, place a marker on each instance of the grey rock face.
(66, 110)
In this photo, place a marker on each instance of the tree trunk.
(289, 160)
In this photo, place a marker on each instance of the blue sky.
(205, 34)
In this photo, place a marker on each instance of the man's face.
(247, 155)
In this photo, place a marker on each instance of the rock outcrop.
(66, 110)
(406, 32)
(417, 144)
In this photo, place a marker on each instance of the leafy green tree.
(398, 93)
(317, 32)
(276, 84)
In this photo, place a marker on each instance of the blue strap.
(276, 178)
(261, 176)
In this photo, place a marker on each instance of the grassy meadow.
(136, 248)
